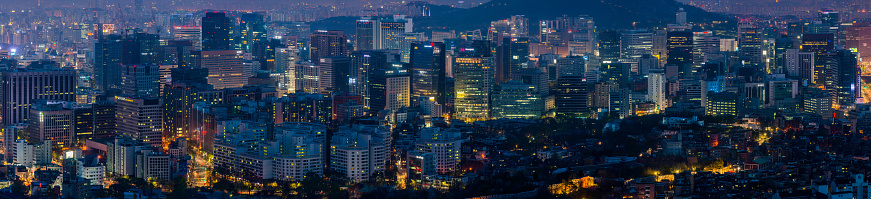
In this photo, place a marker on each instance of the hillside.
(607, 13)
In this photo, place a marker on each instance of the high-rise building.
(388, 31)
(799, 65)
(516, 26)
(107, 62)
(844, 68)
(302, 107)
(857, 37)
(226, 69)
(216, 31)
(178, 97)
(140, 80)
(723, 103)
(444, 144)
(52, 120)
(397, 89)
(363, 64)
(571, 96)
(83, 118)
(252, 33)
(365, 34)
(140, 48)
(328, 44)
(358, 152)
(104, 118)
(820, 45)
(189, 33)
(408, 39)
(473, 83)
(609, 45)
(337, 80)
(656, 89)
(140, 119)
(428, 65)
(680, 51)
(571, 66)
(750, 49)
(634, 43)
(515, 99)
(704, 43)
(512, 56)
(285, 64)
(22, 86)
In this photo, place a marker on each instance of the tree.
(224, 185)
(180, 189)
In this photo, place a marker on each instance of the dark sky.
(220, 4)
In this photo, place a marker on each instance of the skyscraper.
(680, 50)
(473, 84)
(140, 119)
(340, 68)
(819, 44)
(571, 96)
(364, 64)
(107, 62)
(52, 120)
(634, 43)
(428, 62)
(216, 31)
(388, 31)
(513, 55)
(225, 68)
(609, 45)
(21, 86)
(365, 34)
(750, 45)
(328, 44)
(515, 99)
(140, 80)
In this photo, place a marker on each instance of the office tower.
(285, 64)
(328, 44)
(646, 63)
(781, 45)
(515, 99)
(307, 78)
(22, 86)
(54, 121)
(189, 33)
(359, 152)
(140, 119)
(750, 45)
(151, 164)
(799, 65)
(444, 144)
(390, 89)
(818, 101)
(178, 97)
(620, 102)
(406, 42)
(140, 48)
(140, 80)
(429, 106)
(428, 65)
(656, 89)
(340, 67)
(535, 77)
(512, 56)
(857, 37)
(819, 44)
(634, 43)
(681, 17)
(571, 66)
(723, 103)
(781, 89)
(516, 26)
(473, 84)
(104, 118)
(252, 32)
(107, 62)
(704, 44)
(83, 118)
(225, 68)
(177, 53)
(121, 156)
(844, 71)
(617, 72)
(680, 51)
(609, 45)
(365, 34)
(571, 96)
(362, 64)
(832, 21)
(216, 31)
(388, 31)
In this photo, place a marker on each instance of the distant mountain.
(619, 14)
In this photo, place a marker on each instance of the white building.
(656, 88)
(445, 144)
(295, 151)
(360, 151)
